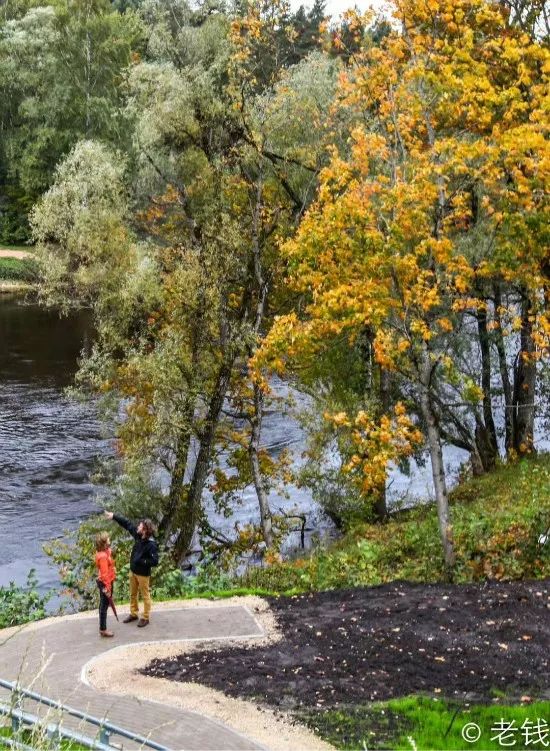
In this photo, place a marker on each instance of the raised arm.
(124, 523)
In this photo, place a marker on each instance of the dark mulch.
(353, 646)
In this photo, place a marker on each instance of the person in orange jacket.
(106, 575)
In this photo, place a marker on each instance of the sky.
(335, 7)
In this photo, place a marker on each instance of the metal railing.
(54, 730)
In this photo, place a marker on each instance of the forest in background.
(357, 205)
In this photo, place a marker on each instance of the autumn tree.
(438, 195)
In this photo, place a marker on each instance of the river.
(49, 445)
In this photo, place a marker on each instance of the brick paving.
(50, 658)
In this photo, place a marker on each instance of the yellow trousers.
(140, 584)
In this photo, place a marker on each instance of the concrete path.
(50, 658)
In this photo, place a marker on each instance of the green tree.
(61, 70)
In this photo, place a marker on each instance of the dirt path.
(13, 253)
(355, 646)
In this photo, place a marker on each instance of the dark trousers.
(103, 605)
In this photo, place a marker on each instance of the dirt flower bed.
(348, 647)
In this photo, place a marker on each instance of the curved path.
(51, 657)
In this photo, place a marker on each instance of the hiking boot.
(106, 633)
(143, 622)
(130, 618)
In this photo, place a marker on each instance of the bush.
(20, 605)
(173, 583)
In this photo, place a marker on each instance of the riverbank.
(501, 524)
(18, 270)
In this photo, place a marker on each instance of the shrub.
(20, 605)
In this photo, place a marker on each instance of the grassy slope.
(498, 521)
(18, 269)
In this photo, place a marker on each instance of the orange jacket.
(106, 567)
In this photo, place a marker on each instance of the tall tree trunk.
(193, 504)
(436, 456)
(384, 398)
(505, 378)
(183, 443)
(486, 434)
(258, 406)
(253, 449)
(524, 384)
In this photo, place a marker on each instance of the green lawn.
(434, 725)
(18, 269)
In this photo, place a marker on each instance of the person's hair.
(149, 527)
(101, 541)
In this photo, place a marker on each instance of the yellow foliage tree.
(439, 191)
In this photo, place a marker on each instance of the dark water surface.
(48, 443)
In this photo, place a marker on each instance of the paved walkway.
(58, 651)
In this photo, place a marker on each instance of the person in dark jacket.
(145, 555)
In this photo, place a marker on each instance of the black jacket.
(145, 553)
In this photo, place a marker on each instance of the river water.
(49, 445)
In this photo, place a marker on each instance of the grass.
(18, 269)
(37, 740)
(427, 724)
(498, 522)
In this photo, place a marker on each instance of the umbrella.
(112, 604)
(109, 600)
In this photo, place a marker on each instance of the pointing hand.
(109, 514)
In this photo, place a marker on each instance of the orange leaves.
(376, 442)
(437, 195)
